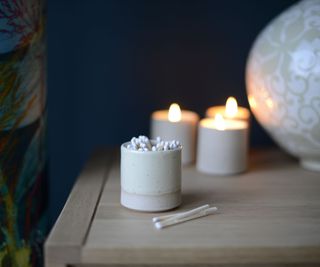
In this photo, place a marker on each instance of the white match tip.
(155, 219)
(211, 210)
(158, 225)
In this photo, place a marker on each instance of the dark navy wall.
(111, 63)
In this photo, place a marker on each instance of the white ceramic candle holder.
(222, 152)
(185, 131)
(150, 180)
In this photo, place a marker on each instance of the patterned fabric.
(22, 133)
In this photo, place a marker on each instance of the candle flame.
(174, 114)
(219, 122)
(231, 107)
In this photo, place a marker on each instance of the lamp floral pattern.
(283, 81)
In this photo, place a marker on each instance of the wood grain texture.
(69, 232)
(268, 216)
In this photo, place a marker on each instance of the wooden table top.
(268, 216)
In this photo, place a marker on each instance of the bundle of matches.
(172, 219)
(143, 143)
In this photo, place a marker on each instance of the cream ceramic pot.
(283, 81)
(150, 180)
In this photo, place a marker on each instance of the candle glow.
(174, 114)
(252, 102)
(219, 122)
(231, 107)
(230, 110)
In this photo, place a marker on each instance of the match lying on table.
(172, 219)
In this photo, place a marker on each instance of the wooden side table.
(268, 216)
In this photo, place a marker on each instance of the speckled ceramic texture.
(283, 81)
(150, 180)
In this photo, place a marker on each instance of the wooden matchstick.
(173, 221)
(180, 214)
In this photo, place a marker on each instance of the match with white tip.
(177, 220)
(180, 215)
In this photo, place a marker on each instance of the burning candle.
(177, 124)
(222, 146)
(230, 111)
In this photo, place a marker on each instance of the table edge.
(66, 238)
